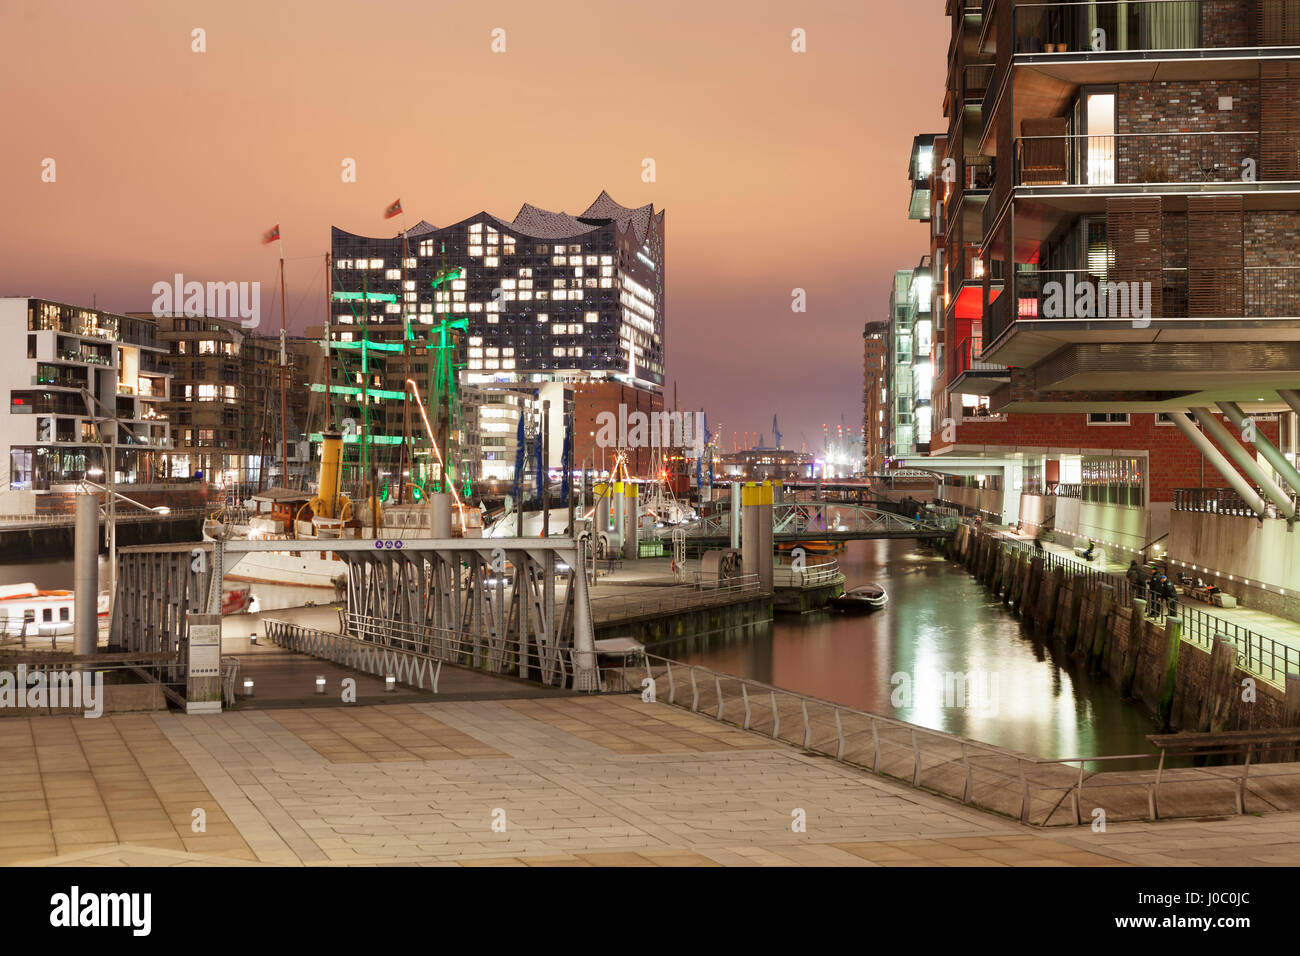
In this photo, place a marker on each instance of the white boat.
(291, 515)
(868, 597)
(25, 608)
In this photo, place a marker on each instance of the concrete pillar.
(85, 610)
(1169, 671)
(751, 539)
(735, 515)
(616, 504)
(764, 518)
(439, 515)
(631, 526)
(601, 517)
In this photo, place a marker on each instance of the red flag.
(272, 236)
(394, 210)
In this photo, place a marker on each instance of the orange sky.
(777, 170)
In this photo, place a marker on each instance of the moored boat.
(868, 597)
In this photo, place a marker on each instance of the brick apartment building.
(1150, 144)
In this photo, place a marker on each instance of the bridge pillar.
(86, 596)
(750, 539)
(734, 520)
(602, 492)
(440, 514)
(616, 504)
(631, 526)
(766, 573)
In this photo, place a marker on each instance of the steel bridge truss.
(485, 603)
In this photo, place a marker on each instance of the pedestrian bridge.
(801, 520)
(511, 606)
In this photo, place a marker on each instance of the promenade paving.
(561, 781)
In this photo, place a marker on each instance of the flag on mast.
(394, 210)
(271, 235)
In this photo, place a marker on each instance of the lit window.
(592, 317)
(393, 274)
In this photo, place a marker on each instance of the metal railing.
(1221, 501)
(413, 654)
(1036, 791)
(667, 600)
(809, 576)
(1257, 653)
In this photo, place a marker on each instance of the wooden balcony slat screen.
(1133, 227)
(1215, 256)
(1042, 161)
(1278, 22)
(1279, 119)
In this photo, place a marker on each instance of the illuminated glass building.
(548, 296)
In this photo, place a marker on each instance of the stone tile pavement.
(574, 781)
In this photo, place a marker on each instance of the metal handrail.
(1263, 656)
(971, 771)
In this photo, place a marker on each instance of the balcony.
(971, 375)
(1188, 160)
(1265, 292)
(1126, 26)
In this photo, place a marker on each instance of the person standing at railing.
(1171, 597)
(1137, 580)
(1156, 608)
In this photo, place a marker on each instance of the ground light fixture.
(252, 638)
(248, 687)
(390, 684)
(320, 684)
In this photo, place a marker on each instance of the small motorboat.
(868, 597)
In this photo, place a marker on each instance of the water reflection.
(909, 660)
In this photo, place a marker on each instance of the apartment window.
(1094, 151)
(1164, 418)
(31, 346)
(1108, 418)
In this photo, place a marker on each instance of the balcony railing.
(968, 359)
(1222, 501)
(1131, 25)
(1250, 292)
(1132, 158)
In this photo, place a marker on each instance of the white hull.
(318, 569)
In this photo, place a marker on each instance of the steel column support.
(1216, 430)
(1221, 465)
(1266, 447)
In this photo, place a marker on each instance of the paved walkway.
(554, 781)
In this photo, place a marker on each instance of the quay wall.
(1185, 685)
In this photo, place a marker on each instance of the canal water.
(901, 661)
(942, 654)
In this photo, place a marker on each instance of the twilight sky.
(777, 170)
